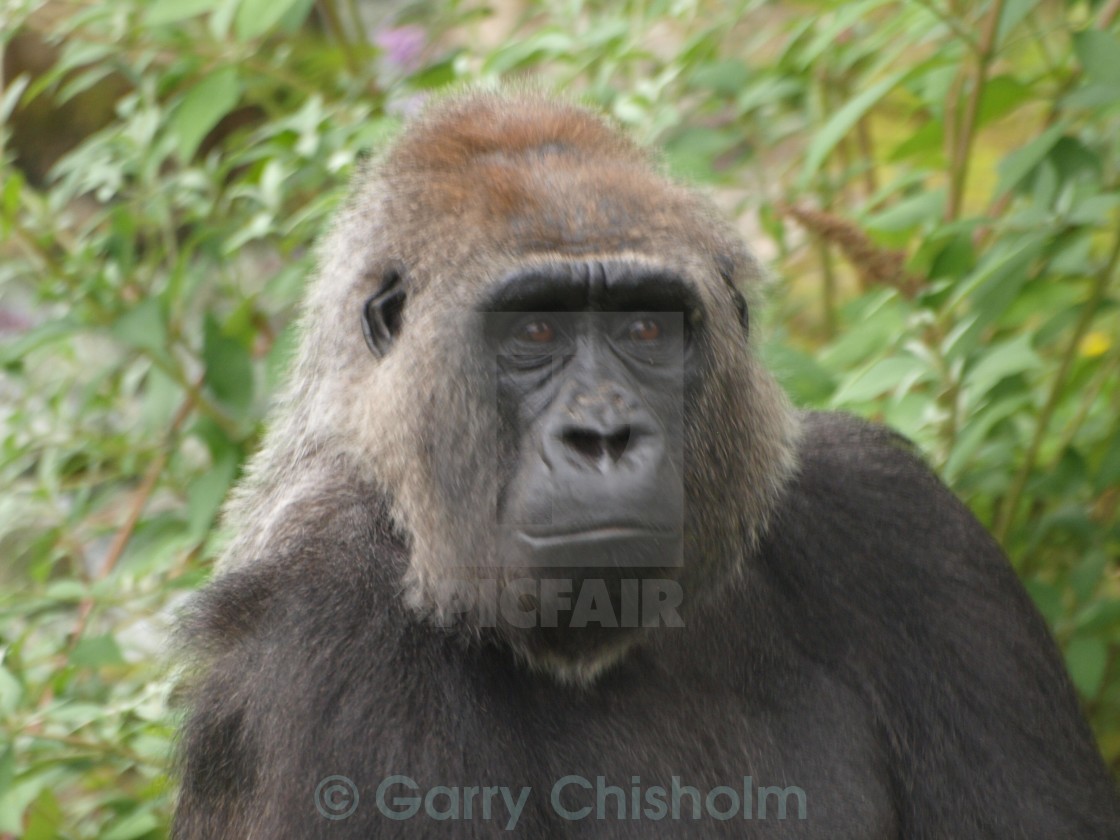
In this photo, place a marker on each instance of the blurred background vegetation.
(935, 184)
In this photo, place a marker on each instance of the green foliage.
(937, 186)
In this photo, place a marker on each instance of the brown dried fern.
(875, 265)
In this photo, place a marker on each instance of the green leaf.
(281, 357)
(1100, 617)
(843, 121)
(11, 692)
(66, 591)
(909, 212)
(137, 824)
(927, 142)
(518, 53)
(883, 376)
(256, 17)
(203, 108)
(1091, 95)
(800, 374)
(229, 368)
(692, 151)
(976, 430)
(881, 316)
(1099, 53)
(1012, 14)
(1002, 95)
(10, 96)
(294, 18)
(1002, 360)
(1072, 158)
(162, 395)
(952, 258)
(144, 326)
(10, 193)
(221, 19)
(44, 818)
(1017, 165)
(1094, 210)
(434, 75)
(14, 351)
(1047, 598)
(728, 77)
(172, 11)
(1084, 578)
(205, 496)
(1087, 659)
(96, 651)
(1108, 473)
(989, 291)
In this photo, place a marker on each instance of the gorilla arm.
(888, 580)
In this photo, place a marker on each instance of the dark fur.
(864, 640)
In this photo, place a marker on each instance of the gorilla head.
(556, 358)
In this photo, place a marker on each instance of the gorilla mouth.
(604, 546)
(595, 533)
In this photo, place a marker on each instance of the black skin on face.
(592, 362)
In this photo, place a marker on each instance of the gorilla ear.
(741, 307)
(727, 272)
(381, 314)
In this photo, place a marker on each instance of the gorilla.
(534, 545)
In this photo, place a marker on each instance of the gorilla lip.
(607, 546)
(595, 534)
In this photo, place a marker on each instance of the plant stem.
(335, 24)
(867, 150)
(358, 23)
(1108, 14)
(828, 290)
(1096, 297)
(950, 20)
(1090, 394)
(962, 142)
(139, 502)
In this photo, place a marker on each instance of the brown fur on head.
(476, 187)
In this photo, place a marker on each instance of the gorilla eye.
(645, 329)
(537, 332)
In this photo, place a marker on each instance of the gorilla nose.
(598, 446)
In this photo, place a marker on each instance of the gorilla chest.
(638, 757)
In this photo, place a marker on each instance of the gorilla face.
(578, 503)
(592, 361)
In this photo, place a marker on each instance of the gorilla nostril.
(616, 443)
(587, 443)
(597, 446)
